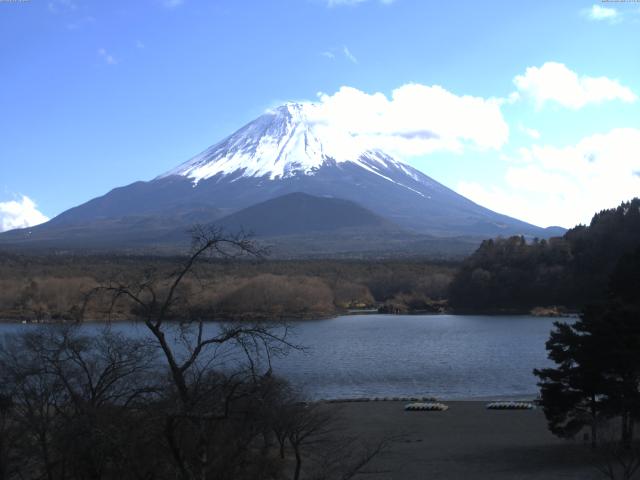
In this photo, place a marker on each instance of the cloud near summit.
(415, 119)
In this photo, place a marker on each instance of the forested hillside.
(511, 274)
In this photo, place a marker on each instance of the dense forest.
(512, 274)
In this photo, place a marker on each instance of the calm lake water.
(446, 356)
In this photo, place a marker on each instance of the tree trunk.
(626, 430)
(296, 475)
(202, 454)
(594, 423)
(45, 456)
(176, 373)
(3, 465)
(169, 431)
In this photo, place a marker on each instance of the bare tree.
(312, 432)
(35, 397)
(308, 424)
(616, 459)
(101, 406)
(202, 399)
(64, 386)
(8, 437)
(345, 457)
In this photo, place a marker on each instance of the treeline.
(45, 288)
(512, 274)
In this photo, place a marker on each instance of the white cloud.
(554, 82)
(598, 12)
(107, 57)
(349, 55)
(331, 54)
(550, 185)
(417, 119)
(140, 45)
(20, 214)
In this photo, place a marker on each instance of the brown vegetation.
(46, 288)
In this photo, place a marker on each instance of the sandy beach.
(465, 442)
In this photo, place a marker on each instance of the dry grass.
(55, 287)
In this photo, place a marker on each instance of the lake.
(446, 356)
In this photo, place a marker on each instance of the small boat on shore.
(510, 405)
(426, 407)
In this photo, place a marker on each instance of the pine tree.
(598, 362)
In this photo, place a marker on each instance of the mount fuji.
(285, 151)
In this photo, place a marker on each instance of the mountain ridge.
(286, 150)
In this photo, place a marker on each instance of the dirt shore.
(466, 442)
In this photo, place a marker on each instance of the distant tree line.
(53, 288)
(513, 274)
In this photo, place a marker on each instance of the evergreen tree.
(572, 392)
(598, 361)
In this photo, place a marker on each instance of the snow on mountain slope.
(288, 150)
(282, 143)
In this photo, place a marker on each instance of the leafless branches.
(612, 458)
(205, 398)
(192, 399)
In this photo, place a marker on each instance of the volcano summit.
(287, 150)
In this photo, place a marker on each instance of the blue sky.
(537, 101)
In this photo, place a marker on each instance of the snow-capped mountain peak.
(287, 141)
(247, 181)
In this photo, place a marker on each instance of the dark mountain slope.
(300, 213)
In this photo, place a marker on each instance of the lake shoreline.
(530, 398)
(7, 319)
